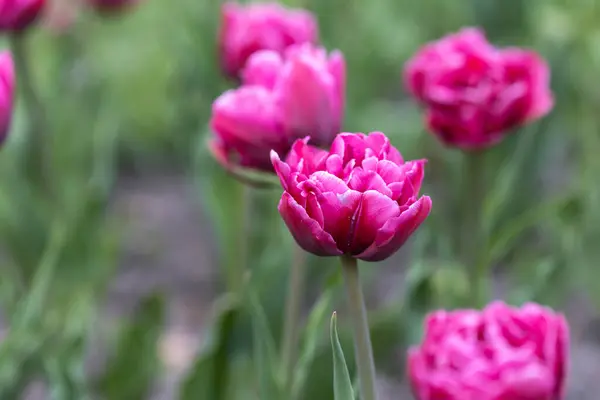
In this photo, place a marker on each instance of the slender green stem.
(34, 155)
(293, 310)
(362, 340)
(474, 237)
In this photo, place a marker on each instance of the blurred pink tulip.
(16, 15)
(7, 86)
(359, 199)
(246, 29)
(474, 93)
(281, 99)
(500, 353)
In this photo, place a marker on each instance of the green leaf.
(316, 319)
(502, 241)
(133, 369)
(342, 385)
(264, 352)
(209, 377)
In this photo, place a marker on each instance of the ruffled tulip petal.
(475, 94)
(338, 211)
(246, 29)
(262, 69)
(493, 354)
(305, 102)
(392, 235)
(306, 231)
(376, 209)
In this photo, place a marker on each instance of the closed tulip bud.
(500, 353)
(17, 15)
(474, 94)
(283, 98)
(359, 199)
(246, 29)
(7, 85)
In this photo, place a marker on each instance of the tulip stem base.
(362, 339)
(474, 237)
(293, 309)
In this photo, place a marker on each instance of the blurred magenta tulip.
(474, 93)
(246, 29)
(16, 15)
(359, 199)
(500, 353)
(110, 6)
(281, 99)
(7, 86)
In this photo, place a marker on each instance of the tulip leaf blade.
(316, 319)
(342, 384)
(264, 351)
(209, 375)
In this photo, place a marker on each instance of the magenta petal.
(326, 182)
(305, 230)
(338, 212)
(282, 169)
(262, 68)
(389, 171)
(362, 181)
(394, 233)
(376, 210)
(305, 103)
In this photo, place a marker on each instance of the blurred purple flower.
(281, 99)
(246, 29)
(7, 86)
(17, 15)
(500, 353)
(360, 198)
(474, 93)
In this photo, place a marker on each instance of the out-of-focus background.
(128, 97)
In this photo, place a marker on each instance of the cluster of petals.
(475, 93)
(500, 353)
(359, 198)
(282, 98)
(7, 87)
(246, 29)
(16, 15)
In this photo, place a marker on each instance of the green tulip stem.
(34, 156)
(473, 238)
(362, 340)
(293, 308)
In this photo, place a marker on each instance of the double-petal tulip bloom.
(283, 98)
(16, 15)
(7, 85)
(500, 353)
(474, 93)
(246, 29)
(358, 199)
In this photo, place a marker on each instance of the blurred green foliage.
(134, 92)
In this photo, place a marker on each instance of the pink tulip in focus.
(474, 93)
(500, 353)
(359, 199)
(7, 86)
(16, 15)
(246, 29)
(283, 98)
